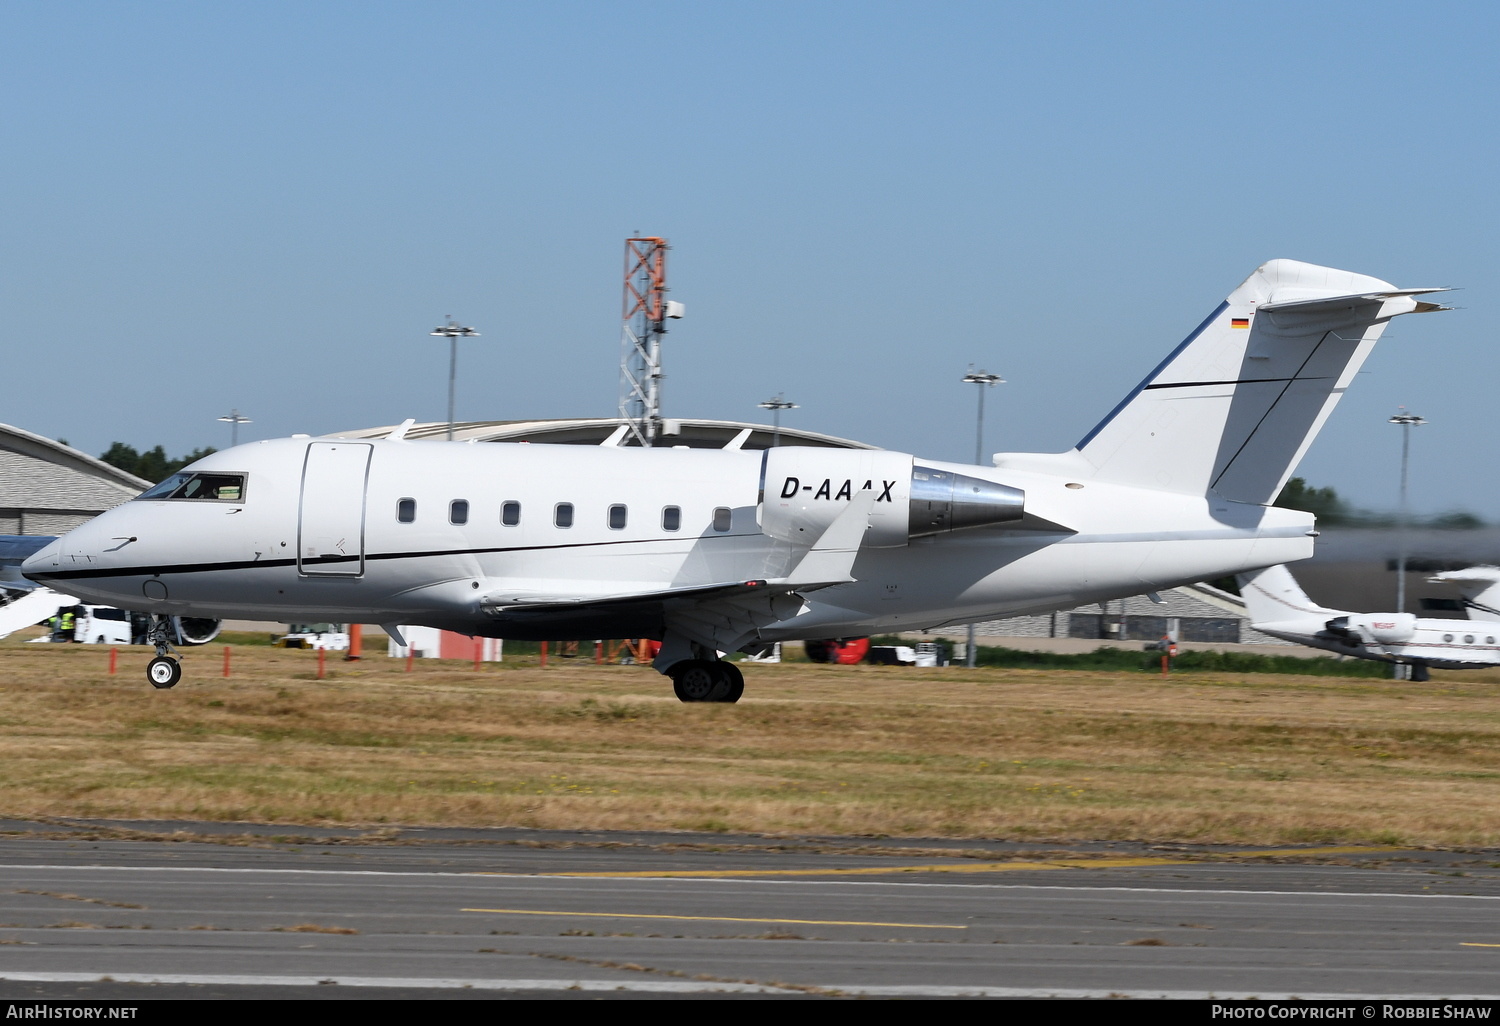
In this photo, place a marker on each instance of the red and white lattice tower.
(646, 310)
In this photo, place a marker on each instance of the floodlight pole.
(452, 331)
(1407, 422)
(984, 379)
(981, 378)
(234, 420)
(776, 405)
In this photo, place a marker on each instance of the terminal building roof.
(677, 431)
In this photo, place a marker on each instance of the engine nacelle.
(195, 630)
(1380, 628)
(804, 489)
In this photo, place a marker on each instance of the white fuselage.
(327, 543)
(1446, 644)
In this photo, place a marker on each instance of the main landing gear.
(163, 671)
(707, 680)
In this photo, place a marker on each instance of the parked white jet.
(725, 550)
(1280, 608)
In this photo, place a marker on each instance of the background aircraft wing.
(14, 550)
(27, 608)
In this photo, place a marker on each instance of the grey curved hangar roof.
(47, 487)
(695, 434)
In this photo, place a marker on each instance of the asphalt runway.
(103, 910)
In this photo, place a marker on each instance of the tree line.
(154, 465)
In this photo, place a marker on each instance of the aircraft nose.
(42, 560)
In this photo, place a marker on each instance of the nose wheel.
(707, 680)
(163, 672)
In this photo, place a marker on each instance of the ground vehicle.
(332, 637)
(845, 651)
(100, 625)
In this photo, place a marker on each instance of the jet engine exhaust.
(942, 501)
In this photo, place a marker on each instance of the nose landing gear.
(163, 671)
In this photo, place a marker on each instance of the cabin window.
(562, 515)
(1489, 641)
(1468, 639)
(671, 518)
(617, 518)
(458, 511)
(721, 518)
(1447, 637)
(510, 514)
(406, 510)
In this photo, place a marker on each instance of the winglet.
(832, 556)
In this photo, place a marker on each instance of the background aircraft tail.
(1480, 587)
(1273, 594)
(1234, 407)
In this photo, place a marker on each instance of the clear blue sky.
(267, 206)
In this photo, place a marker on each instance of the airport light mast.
(234, 420)
(984, 379)
(1407, 422)
(452, 331)
(646, 311)
(776, 405)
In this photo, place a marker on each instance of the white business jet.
(1280, 608)
(716, 551)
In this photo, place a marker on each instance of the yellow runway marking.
(982, 867)
(710, 919)
(1471, 944)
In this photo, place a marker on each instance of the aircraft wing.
(721, 616)
(503, 603)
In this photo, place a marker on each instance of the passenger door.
(331, 518)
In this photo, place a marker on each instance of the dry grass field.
(883, 751)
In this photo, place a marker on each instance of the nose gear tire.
(163, 672)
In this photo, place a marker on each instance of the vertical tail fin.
(1235, 406)
(1273, 594)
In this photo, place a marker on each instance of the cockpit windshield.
(203, 487)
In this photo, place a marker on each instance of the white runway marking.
(762, 881)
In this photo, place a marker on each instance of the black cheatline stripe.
(1238, 381)
(248, 564)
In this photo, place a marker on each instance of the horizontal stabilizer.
(1479, 585)
(1348, 302)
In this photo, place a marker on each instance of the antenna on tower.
(646, 311)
